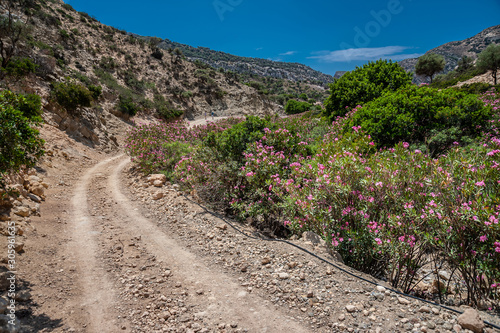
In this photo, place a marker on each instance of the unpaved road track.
(222, 298)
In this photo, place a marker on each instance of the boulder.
(21, 211)
(471, 320)
(152, 178)
(157, 195)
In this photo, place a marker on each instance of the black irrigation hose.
(330, 263)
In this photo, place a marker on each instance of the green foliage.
(293, 107)
(64, 34)
(187, 94)
(108, 64)
(422, 116)
(95, 90)
(20, 67)
(430, 64)
(127, 106)
(363, 85)
(464, 64)
(13, 30)
(452, 78)
(489, 59)
(30, 104)
(475, 88)
(157, 53)
(68, 7)
(164, 109)
(231, 143)
(71, 95)
(20, 142)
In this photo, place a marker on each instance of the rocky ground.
(117, 252)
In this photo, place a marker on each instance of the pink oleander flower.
(481, 183)
(483, 238)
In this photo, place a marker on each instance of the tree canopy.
(489, 59)
(430, 64)
(364, 84)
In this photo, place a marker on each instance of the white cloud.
(364, 54)
(259, 48)
(288, 53)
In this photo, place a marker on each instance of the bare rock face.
(471, 320)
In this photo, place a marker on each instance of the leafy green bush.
(95, 90)
(452, 78)
(30, 104)
(20, 67)
(126, 105)
(157, 53)
(293, 107)
(364, 84)
(20, 142)
(475, 88)
(71, 95)
(422, 115)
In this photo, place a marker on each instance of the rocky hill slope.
(70, 46)
(262, 67)
(454, 51)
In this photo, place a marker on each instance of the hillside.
(256, 66)
(454, 51)
(67, 46)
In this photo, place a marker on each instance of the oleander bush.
(359, 182)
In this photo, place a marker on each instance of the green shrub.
(475, 88)
(186, 94)
(364, 84)
(71, 95)
(67, 6)
(294, 107)
(108, 64)
(20, 142)
(157, 53)
(95, 90)
(64, 34)
(164, 108)
(20, 67)
(126, 105)
(422, 115)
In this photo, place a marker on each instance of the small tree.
(489, 59)
(430, 64)
(464, 64)
(13, 28)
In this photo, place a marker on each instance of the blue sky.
(326, 35)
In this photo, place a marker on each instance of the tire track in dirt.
(98, 293)
(226, 299)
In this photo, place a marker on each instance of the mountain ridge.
(455, 50)
(292, 71)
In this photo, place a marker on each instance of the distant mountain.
(256, 66)
(454, 51)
